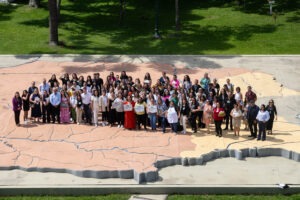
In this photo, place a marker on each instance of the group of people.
(132, 104)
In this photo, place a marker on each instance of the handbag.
(221, 114)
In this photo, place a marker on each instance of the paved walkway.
(112, 152)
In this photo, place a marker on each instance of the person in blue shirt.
(55, 99)
(262, 118)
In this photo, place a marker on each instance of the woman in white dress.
(95, 106)
(172, 116)
(236, 115)
(103, 104)
(238, 96)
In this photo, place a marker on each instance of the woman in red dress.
(129, 114)
(218, 115)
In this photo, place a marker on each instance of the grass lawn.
(233, 197)
(104, 197)
(208, 27)
(171, 197)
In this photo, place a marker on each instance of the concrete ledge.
(147, 189)
(152, 176)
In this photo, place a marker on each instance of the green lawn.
(208, 27)
(233, 197)
(104, 197)
(171, 197)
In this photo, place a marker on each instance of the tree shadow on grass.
(262, 7)
(93, 29)
(5, 10)
(295, 18)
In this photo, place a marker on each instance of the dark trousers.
(218, 124)
(262, 130)
(87, 113)
(112, 116)
(141, 119)
(174, 127)
(55, 113)
(162, 122)
(200, 123)
(17, 116)
(46, 112)
(228, 119)
(193, 121)
(120, 118)
(253, 127)
(104, 115)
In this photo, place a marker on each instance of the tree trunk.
(53, 22)
(58, 8)
(122, 11)
(177, 20)
(34, 3)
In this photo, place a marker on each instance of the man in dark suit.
(251, 117)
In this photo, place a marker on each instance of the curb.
(152, 176)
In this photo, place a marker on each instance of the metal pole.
(156, 31)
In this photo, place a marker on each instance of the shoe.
(220, 135)
(119, 126)
(250, 136)
(78, 123)
(96, 125)
(122, 126)
(225, 129)
(263, 139)
(217, 135)
(258, 139)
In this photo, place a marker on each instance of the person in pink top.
(207, 114)
(218, 115)
(175, 82)
(64, 108)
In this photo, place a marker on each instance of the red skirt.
(129, 122)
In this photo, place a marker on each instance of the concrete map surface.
(105, 152)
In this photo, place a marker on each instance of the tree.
(122, 11)
(177, 20)
(34, 3)
(53, 22)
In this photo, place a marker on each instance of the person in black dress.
(271, 108)
(35, 99)
(111, 111)
(17, 107)
(26, 106)
(194, 109)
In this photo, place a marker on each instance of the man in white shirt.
(55, 99)
(44, 87)
(86, 101)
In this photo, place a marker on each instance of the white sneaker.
(119, 126)
(96, 125)
(122, 126)
(103, 124)
(78, 123)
